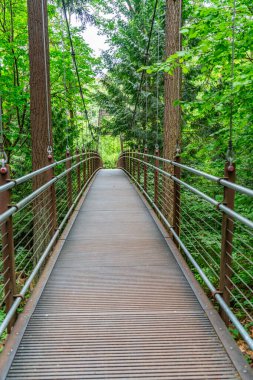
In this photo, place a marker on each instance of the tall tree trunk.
(40, 103)
(41, 129)
(172, 85)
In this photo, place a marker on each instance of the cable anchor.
(230, 156)
(178, 150)
(4, 160)
(50, 152)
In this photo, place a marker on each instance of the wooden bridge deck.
(117, 305)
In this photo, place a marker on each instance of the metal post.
(87, 166)
(92, 162)
(84, 167)
(156, 178)
(128, 161)
(123, 160)
(69, 181)
(89, 170)
(176, 203)
(138, 166)
(95, 161)
(78, 171)
(227, 241)
(133, 163)
(9, 276)
(145, 169)
(52, 196)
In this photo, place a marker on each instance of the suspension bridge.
(138, 272)
(110, 282)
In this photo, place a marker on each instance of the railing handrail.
(220, 180)
(14, 182)
(247, 222)
(21, 204)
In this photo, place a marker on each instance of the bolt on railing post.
(225, 285)
(78, 171)
(138, 167)
(53, 196)
(156, 178)
(145, 169)
(176, 203)
(69, 180)
(9, 276)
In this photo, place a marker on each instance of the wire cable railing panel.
(32, 220)
(204, 216)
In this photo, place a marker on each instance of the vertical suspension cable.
(178, 148)
(83, 136)
(145, 62)
(1, 127)
(65, 85)
(157, 84)
(73, 54)
(50, 148)
(3, 155)
(146, 112)
(230, 153)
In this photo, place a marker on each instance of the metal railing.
(204, 216)
(30, 225)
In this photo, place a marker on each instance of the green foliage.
(207, 95)
(110, 150)
(127, 38)
(67, 109)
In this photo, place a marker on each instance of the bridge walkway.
(117, 304)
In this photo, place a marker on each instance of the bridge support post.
(227, 241)
(145, 169)
(69, 181)
(123, 160)
(96, 161)
(128, 161)
(139, 166)
(176, 203)
(156, 178)
(88, 165)
(53, 212)
(9, 276)
(133, 163)
(78, 171)
(92, 163)
(84, 166)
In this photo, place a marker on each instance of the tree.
(172, 95)
(40, 100)
(172, 85)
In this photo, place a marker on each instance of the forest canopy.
(111, 82)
